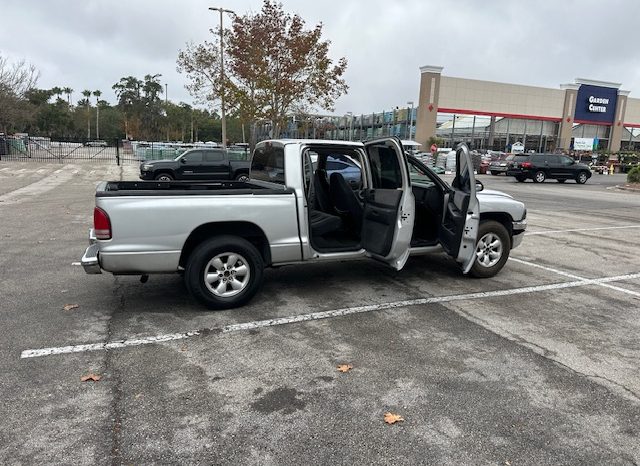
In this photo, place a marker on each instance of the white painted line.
(35, 353)
(570, 275)
(56, 178)
(529, 233)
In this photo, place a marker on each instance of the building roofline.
(431, 69)
(594, 82)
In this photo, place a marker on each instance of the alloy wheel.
(489, 250)
(227, 274)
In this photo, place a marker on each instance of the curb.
(627, 188)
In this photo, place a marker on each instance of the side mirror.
(479, 186)
(183, 160)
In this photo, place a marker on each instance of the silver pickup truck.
(306, 200)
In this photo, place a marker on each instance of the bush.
(634, 175)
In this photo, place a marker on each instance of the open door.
(389, 206)
(458, 231)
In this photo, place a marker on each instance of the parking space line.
(545, 232)
(576, 277)
(35, 353)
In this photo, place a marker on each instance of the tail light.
(101, 224)
(526, 165)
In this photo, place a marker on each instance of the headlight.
(147, 167)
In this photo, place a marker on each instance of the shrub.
(634, 175)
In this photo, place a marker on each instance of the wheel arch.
(247, 230)
(500, 217)
(165, 171)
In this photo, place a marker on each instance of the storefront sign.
(583, 144)
(596, 104)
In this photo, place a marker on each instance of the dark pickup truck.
(199, 164)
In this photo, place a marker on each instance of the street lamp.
(350, 114)
(410, 120)
(222, 114)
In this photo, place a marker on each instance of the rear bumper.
(89, 261)
(512, 172)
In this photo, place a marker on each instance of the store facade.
(496, 115)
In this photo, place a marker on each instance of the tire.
(494, 173)
(582, 177)
(521, 178)
(225, 288)
(539, 177)
(243, 177)
(561, 180)
(164, 177)
(487, 264)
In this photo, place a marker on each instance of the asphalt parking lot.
(539, 365)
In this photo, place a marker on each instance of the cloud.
(92, 44)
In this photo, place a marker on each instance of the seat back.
(321, 191)
(344, 199)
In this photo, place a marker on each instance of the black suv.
(539, 167)
(200, 164)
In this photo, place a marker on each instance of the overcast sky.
(91, 44)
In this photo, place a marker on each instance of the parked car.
(96, 143)
(539, 167)
(222, 235)
(199, 164)
(501, 165)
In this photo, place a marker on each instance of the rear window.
(267, 163)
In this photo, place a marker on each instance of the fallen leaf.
(344, 367)
(391, 418)
(183, 348)
(68, 307)
(507, 463)
(90, 377)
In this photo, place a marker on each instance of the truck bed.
(186, 188)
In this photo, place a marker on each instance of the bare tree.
(16, 80)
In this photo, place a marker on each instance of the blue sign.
(596, 104)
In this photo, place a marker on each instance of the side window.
(418, 176)
(537, 159)
(566, 160)
(333, 166)
(267, 163)
(462, 180)
(193, 157)
(213, 156)
(308, 174)
(385, 168)
(553, 159)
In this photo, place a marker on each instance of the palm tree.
(57, 91)
(97, 95)
(68, 91)
(87, 94)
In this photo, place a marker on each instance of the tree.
(274, 67)
(97, 95)
(141, 105)
(16, 80)
(68, 91)
(87, 95)
(129, 99)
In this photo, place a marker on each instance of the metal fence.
(42, 149)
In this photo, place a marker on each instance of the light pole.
(410, 119)
(222, 113)
(350, 114)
